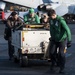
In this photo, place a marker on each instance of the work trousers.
(10, 49)
(60, 56)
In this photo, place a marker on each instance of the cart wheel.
(23, 61)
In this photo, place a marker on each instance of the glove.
(69, 44)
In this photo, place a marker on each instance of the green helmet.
(31, 10)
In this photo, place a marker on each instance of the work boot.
(61, 70)
(52, 67)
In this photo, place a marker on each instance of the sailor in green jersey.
(59, 31)
(31, 17)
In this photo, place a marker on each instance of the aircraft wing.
(61, 10)
(27, 3)
(2, 5)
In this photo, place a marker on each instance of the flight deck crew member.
(12, 21)
(31, 17)
(44, 19)
(59, 31)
